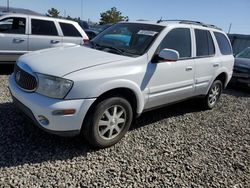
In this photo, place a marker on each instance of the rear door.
(70, 33)
(13, 38)
(206, 61)
(43, 34)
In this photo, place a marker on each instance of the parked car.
(20, 33)
(84, 25)
(93, 32)
(101, 28)
(241, 71)
(98, 90)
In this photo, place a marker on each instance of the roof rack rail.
(191, 22)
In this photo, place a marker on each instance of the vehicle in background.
(127, 69)
(101, 28)
(84, 25)
(21, 33)
(241, 71)
(93, 32)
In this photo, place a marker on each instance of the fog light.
(43, 120)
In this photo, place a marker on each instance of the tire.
(108, 122)
(213, 95)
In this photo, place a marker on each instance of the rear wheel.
(108, 122)
(213, 95)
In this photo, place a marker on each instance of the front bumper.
(35, 105)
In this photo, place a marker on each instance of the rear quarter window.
(224, 44)
(69, 30)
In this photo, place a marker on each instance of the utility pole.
(8, 5)
(64, 13)
(81, 8)
(229, 29)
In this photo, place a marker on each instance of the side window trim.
(34, 18)
(26, 24)
(195, 44)
(60, 23)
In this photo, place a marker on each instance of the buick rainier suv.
(96, 90)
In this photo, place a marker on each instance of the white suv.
(20, 33)
(129, 68)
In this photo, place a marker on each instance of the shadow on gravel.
(174, 110)
(6, 69)
(238, 91)
(22, 143)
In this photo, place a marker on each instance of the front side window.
(204, 43)
(13, 25)
(224, 45)
(69, 30)
(178, 39)
(131, 39)
(43, 27)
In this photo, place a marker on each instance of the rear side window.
(13, 25)
(69, 30)
(224, 45)
(43, 27)
(204, 43)
(178, 39)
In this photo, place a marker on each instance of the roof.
(174, 22)
(18, 10)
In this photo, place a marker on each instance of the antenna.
(160, 20)
(229, 29)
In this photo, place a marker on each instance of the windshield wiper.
(95, 45)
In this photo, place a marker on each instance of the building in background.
(239, 42)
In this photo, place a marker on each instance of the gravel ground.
(176, 146)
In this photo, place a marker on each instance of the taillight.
(86, 41)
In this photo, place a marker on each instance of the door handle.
(18, 40)
(189, 68)
(54, 41)
(216, 65)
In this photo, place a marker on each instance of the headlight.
(53, 87)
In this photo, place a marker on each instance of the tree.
(53, 12)
(112, 16)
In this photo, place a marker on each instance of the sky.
(221, 13)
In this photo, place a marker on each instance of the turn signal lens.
(64, 112)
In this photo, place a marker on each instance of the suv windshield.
(131, 39)
(244, 54)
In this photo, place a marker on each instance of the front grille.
(24, 79)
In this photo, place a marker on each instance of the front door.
(172, 81)
(13, 38)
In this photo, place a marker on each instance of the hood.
(65, 60)
(242, 62)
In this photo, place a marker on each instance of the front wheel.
(213, 95)
(108, 122)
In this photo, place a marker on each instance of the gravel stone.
(175, 146)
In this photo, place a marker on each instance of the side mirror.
(169, 55)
